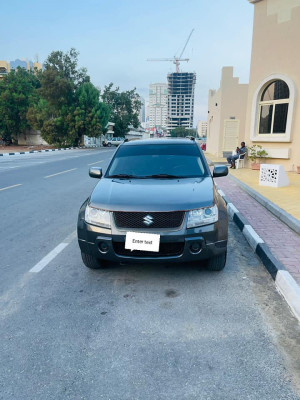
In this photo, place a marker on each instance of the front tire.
(92, 262)
(217, 263)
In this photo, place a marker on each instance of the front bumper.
(176, 244)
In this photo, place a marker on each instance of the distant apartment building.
(142, 116)
(7, 66)
(158, 105)
(181, 91)
(202, 128)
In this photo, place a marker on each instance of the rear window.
(183, 161)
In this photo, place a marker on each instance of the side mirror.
(95, 172)
(220, 170)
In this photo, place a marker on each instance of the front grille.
(151, 220)
(165, 250)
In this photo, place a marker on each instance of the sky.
(116, 37)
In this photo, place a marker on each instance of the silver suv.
(157, 202)
(115, 141)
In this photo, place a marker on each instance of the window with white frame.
(273, 109)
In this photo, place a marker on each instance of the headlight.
(97, 217)
(203, 216)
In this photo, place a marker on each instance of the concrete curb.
(284, 281)
(285, 217)
(39, 151)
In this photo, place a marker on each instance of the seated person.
(239, 151)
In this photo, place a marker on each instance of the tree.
(69, 107)
(61, 78)
(124, 107)
(181, 131)
(91, 116)
(17, 93)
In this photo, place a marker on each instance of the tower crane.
(175, 60)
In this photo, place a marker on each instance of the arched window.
(273, 108)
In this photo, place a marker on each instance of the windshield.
(165, 161)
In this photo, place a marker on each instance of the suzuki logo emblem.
(148, 220)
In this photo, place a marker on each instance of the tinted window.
(280, 117)
(144, 160)
(276, 91)
(265, 119)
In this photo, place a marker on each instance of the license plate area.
(142, 241)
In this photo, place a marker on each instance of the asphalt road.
(131, 331)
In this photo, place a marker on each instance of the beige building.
(7, 66)
(226, 114)
(273, 113)
(202, 128)
(4, 69)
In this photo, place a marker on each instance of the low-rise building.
(226, 114)
(273, 114)
(7, 66)
(89, 141)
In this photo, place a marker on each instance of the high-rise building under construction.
(181, 91)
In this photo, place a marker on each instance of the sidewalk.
(287, 198)
(282, 241)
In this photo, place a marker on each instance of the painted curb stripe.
(270, 262)
(290, 290)
(40, 151)
(240, 220)
(252, 237)
(226, 199)
(221, 193)
(231, 209)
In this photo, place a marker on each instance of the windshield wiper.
(122, 176)
(164, 176)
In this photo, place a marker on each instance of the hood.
(152, 195)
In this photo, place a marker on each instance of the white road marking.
(59, 173)
(8, 167)
(9, 187)
(50, 256)
(97, 162)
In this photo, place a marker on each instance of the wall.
(213, 122)
(32, 138)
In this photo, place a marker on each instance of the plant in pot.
(256, 154)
